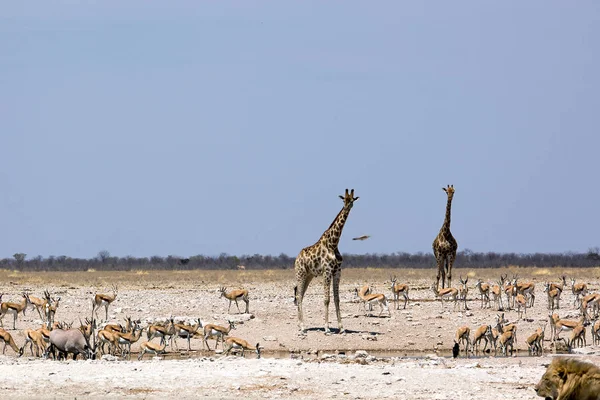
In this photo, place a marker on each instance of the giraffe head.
(349, 199)
(449, 191)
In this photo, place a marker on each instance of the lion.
(569, 379)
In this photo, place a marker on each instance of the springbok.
(234, 295)
(104, 300)
(399, 289)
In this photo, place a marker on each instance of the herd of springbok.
(91, 339)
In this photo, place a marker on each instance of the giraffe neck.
(331, 237)
(446, 225)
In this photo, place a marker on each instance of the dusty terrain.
(400, 359)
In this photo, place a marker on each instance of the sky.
(180, 128)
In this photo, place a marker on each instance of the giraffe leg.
(326, 292)
(449, 264)
(336, 297)
(303, 282)
(440, 266)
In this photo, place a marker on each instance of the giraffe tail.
(295, 295)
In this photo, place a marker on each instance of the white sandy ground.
(232, 377)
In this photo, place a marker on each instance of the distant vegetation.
(465, 259)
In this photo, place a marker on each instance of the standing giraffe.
(323, 258)
(444, 244)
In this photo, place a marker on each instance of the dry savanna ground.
(406, 354)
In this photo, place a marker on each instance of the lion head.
(569, 379)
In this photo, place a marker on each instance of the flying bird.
(363, 237)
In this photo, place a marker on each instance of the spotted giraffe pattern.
(444, 244)
(323, 258)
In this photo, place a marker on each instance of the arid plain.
(402, 356)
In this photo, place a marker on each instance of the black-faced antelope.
(484, 292)
(399, 289)
(104, 300)
(8, 340)
(237, 344)
(462, 336)
(448, 293)
(374, 298)
(217, 332)
(234, 295)
(484, 332)
(14, 309)
(553, 296)
(152, 348)
(34, 338)
(579, 290)
(188, 331)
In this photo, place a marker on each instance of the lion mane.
(569, 379)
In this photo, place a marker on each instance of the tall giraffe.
(444, 244)
(323, 258)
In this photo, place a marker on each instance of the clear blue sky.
(152, 128)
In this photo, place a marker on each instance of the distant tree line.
(465, 259)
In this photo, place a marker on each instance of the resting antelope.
(553, 296)
(399, 289)
(149, 347)
(578, 290)
(484, 332)
(14, 309)
(237, 344)
(188, 331)
(462, 336)
(216, 331)
(375, 298)
(447, 293)
(104, 300)
(484, 291)
(8, 340)
(234, 295)
(34, 338)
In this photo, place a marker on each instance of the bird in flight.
(363, 237)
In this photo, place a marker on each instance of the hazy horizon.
(147, 128)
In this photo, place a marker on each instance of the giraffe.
(323, 258)
(444, 244)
